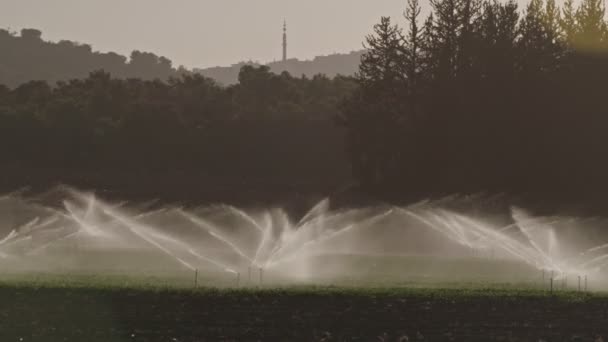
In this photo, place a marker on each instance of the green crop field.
(350, 298)
(122, 307)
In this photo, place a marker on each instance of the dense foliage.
(481, 95)
(484, 96)
(187, 133)
(331, 66)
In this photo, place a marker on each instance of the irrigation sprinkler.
(585, 283)
(551, 285)
(196, 278)
(238, 279)
(261, 275)
(249, 274)
(543, 277)
(579, 283)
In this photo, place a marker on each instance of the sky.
(204, 33)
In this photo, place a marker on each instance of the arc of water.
(292, 234)
(26, 228)
(209, 228)
(213, 262)
(13, 233)
(14, 236)
(90, 229)
(136, 228)
(527, 232)
(265, 238)
(426, 222)
(287, 234)
(509, 245)
(242, 214)
(317, 210)
(149, 213)
(327, 237)
(585, 264)
(51, 243)
(20, 231)
(501, 241)
(305, 246)
(453, 228)
(594, 249)
(90, 208)
(189, 249)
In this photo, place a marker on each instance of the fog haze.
(204, 33)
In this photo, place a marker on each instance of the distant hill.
(332, 65)
(26, 56)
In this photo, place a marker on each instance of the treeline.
(483, 96)
(331, 66)
(26, 56)
(479, 96)
(186, 134)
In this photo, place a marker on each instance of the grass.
(54, 311)
(383, 298)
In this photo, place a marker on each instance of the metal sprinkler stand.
(196, 278)
(543, 277)
(585, 283)
(261, 276)
(249, 274)
(238, 279)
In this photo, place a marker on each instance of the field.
(387, 299)
(56, 313)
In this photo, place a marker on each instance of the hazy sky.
(202, 33)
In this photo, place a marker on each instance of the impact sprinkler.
(579, 283)
(196, 278)
(249, 274)
(261, 276)
(238, 279)
(543, 277)
(585, 283)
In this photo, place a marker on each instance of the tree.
(592, 30)
(568, 22)
(412, 46)
(378, 109)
